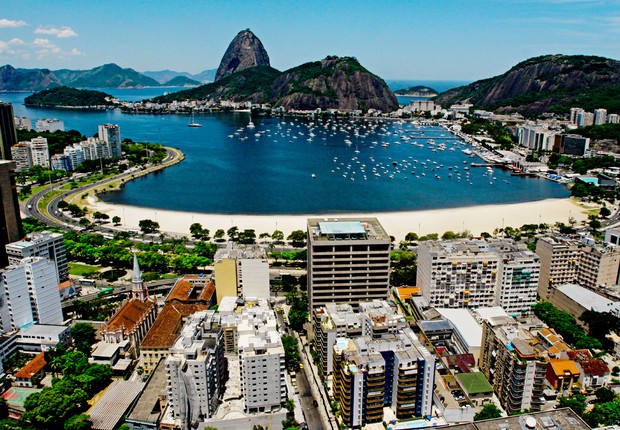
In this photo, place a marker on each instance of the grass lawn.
(79, 269)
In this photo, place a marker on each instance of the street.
(311, 412)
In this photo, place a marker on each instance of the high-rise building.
(44, 244)
(23, 123)
(242, 272)
(395, 371)
(39, 151)
(111, 135)
(613, 118)
(21, 155)
(600, 116)
(10, 219)
(512, 365)
(519, 273)
(29, 294)
(196, 369)
(564, 260)
(8, 134)
(573, 114)
(536, 137)
(50, 125)
(348, 261)
(574, 144)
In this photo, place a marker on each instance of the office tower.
(348, 261)
(10, 219)
(111, 135)
(512, 365)
(196, 369)
(29, 294)
(44, 244)
(8, 133)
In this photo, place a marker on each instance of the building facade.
(8, 133)
(49, 124)
(242, 272)
(10, 218)
(348, 261)
(111, 135)
(44, 244)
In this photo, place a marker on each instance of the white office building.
(50, 124)
(242, 272)
(111, 135)
(29, 294)
(41, 244)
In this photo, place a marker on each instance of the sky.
(462, 40)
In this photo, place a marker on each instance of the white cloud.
(60, 32)
(12, 23)
(11, 47)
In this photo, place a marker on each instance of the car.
(301, 365)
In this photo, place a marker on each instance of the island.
(417, 91)
(67, 97)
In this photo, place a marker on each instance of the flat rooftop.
(147, 408)
(466, 325)
(110, 409)
(564, 419)
(43, 330)
(588, 299)
(346, 229)
(342, 227)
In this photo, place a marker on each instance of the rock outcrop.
(245, 51)
(548, 83)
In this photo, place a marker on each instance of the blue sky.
(423, 39)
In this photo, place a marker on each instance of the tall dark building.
(10, 218)
(8, 135)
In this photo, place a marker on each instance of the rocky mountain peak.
(245, 51)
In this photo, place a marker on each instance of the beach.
(474, 219)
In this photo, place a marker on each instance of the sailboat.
(192, 122)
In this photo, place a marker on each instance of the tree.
(604, 414)
(604, 395)
(148, 226)
(594, 224)
(449, 235)
(85, 222)
(219, 234)
(83, 335)
(488, 412)
(298, 237)
(99, 216)
(79, 422)
(291, 351)
(233, 233)
(577, 402)
(116, 220)
(264, 235)
(411, 237)
(4, 409)
(196, 230)
(604, 212)
(248, 236)
(289, 405)
(277, 236)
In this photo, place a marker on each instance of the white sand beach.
(475, 219)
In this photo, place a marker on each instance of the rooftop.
(474, 383)
(129, 315)
(44, 330)
(346, 229)
(192, 292)
(465, 323)
(168, 324)
(560, 367)
(16, 396)
(147, 408)
(588, 299)
(564, 419)
(31, 368)
(110, 409)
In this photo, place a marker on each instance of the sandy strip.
(474, 219)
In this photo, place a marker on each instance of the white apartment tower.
(600, 116)
(20, 153)
(44, 244)
(39, 152)
(29, 294)
(111, 135)
(348, 261)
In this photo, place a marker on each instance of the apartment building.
(10, 219)
(111, 135)
(242, 272)
(44, 244)
(395, 371)
(511, 365)
(29, 294)
(196, 370)
(49, 124)
(348, 261)
(8, 134)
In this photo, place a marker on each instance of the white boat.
(192, 122)
(251, 124)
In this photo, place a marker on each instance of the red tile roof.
(31, 368)
(64, 285)
(184, 291)
(169, 323)
(129, 315)
(595, 367)
(579, 354)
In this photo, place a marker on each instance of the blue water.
(273, 172)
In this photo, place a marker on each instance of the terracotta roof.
(406, 292)
(169, 323)
(595, 367)
(185, 291)
(129, 315)
(31, 368)
(64, 285)
(579, 354)
(559, 367)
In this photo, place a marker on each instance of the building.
(8, 134)
(573, 114)
(75, 154)
(147, 411)
(593, 371)
(458, 274)
(584, 119)
(111, 135)
(600, 116)
(109, 411)
(242, 272)
(613, 118)
(44, 244)
(196, 370)
(190, 294)
(94, 149)
(467, 334)
(574, 144)
(330, 322)
(23, 123)
(61, 162)
(10, 218)
(21, 155)
(348, 261)
(536, 137)
(50, 125)
(395, 371)
(511, 365)
(135, 317)
(29, 294)
(564, 260)
(559, 419)
(575, 300)
(32, 373)
(39, 152)
(42, 337)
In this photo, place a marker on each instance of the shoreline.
(475, 219)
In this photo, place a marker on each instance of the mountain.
(67, 96)
(12, 79)
(245, 51)
(163, 76)
(333, 83)
(181, 81)
(550, 83)
(417, 91)
(106, 76)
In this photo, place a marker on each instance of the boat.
(192, 122)
(250, 124)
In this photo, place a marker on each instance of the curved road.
(51, 216)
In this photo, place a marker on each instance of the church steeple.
(139, 290)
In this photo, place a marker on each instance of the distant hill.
(163, 76)
(66, 96)
(106, 76)
(417, 91)
(333, 83)
(181, 81)
(550, 83)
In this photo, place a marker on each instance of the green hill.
(181, 81)
(417, 91)
(66, 96)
